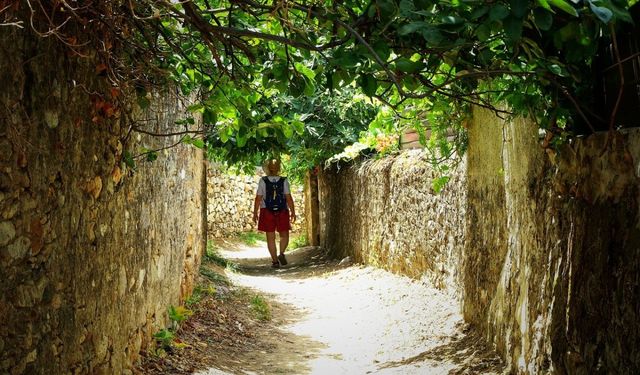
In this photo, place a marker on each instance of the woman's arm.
(291, 207)
(256, 207)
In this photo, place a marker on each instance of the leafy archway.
(252, 62)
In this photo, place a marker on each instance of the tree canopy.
(269, 71)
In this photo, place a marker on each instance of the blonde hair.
(271, 167)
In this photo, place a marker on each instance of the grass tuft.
(261, 308)
(249, 238)
(299, 241)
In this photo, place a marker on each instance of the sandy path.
(359, 320)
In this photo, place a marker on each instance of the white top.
(262, 188)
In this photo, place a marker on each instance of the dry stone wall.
(230, 202)
(91, 253)
(385, 213)
(541, 246)
(560, 292)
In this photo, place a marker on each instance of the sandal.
(282, 259)
(275, 264)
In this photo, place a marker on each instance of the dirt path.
(349, 319)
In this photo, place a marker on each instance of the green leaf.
(405, 65)
(603, 14)
(369, 84)
(382, 49)
(513, 28)
(410, 83)
(621, 14)
(432, 35)
(388, 8)
(143, 102)
(224, 136)
(451, 20)
(545, 5)
(439, 183)
(298, 126)
(128, 160)
(519, 8)
(151, 156)
(498, 12)
(346, 59)
(412, 28)
(305, 71)
(406, 8)
(564, 6)
(542, 19)
(557, 70)
(241, 139)
(209, 116)
(198, 107)
(191, 74)
(297, 86)
(479, 12)
(287, 130)
(484, 32)
(199, 143)
(309, 87)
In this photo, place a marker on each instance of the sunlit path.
(365, 319)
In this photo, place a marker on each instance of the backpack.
(274, 199)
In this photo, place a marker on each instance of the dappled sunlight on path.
(367, 320)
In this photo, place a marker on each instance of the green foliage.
(261, 308)
(299, 241)
(249, 238)
(164, 338)
(279, 78)
(307, 129)
(276, 77)
(179, 314)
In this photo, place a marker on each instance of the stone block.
(19, 248)
(7, 232)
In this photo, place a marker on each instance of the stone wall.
(230, 202)
(385, 213)
(92, 254)
(554, 283)
(541, 246)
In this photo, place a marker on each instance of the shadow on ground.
(380, 323)
(304, 262)
(467, 350)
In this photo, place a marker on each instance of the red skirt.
(270, 221)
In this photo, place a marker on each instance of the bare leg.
(284, 241)
(271, 245)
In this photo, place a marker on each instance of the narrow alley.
(351, 319)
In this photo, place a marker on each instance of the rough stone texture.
(543, 247)
(384, 213)
(560, 290)
(230, 202)
(311, 208)
(91, 255)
